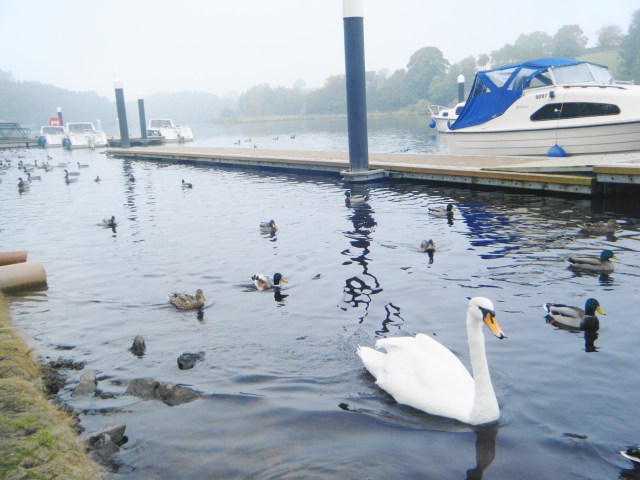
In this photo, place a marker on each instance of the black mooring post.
(60, 116)
(353, 14)
(143, 121)
(122, 115)
(460, 88)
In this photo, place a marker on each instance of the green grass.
(36, 439)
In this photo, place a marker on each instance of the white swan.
(420, 372)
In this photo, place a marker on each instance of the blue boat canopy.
(494, 90)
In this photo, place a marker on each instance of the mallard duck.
(186, 184)
(97, 179)
(268, 227)
(132, 178)
(352, 200)
(82, 166)
(428, 246)
(265, 282)
(446, 211)
(68, 179)
(184, 301)
(575, 317)
(599, 228)
(109, 222)
(22, 185)
(599, 264)
(33, 177)
(71, 174)
(420, 372)
(631, 453)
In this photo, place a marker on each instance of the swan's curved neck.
(485, 405)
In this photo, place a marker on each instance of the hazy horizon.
(224, 47)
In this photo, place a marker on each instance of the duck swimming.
(184, 301)
(265, 282)
(352, 200)
(422, 373)
(268, 227)
(599, 264)
(109, 222)
(575, 317)
(428, 246)
(599, 228)
(446, 211)
(631, 453)
(186, 184)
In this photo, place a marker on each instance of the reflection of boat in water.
(84, 135)
(529, 107)
(52, 135)
(165, 128)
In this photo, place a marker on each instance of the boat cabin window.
(519, 80)
(79, 127)
(52, 130)
(555, 111)
(541, 80)
(160, 123)
(582, 73)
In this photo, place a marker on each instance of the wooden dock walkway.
(580, 174)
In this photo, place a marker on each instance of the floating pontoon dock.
(580, 174)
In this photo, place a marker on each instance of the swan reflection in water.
(485, 450)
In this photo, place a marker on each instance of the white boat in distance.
(172, 133)
(549, 106)
(84, 135)
(52, 135)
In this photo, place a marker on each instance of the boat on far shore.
(165, 128)
(548, 106)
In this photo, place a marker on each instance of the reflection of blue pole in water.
(356, 84)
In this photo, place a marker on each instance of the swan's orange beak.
(490, 320)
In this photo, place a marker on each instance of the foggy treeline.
(429, 78)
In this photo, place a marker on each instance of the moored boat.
(165, 128)
(84, 135)
(52, 135)
(549, 106)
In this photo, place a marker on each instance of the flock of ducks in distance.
(442, 385)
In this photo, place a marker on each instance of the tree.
(483, 60)
(444, 90)
(609, 36)
(629, 51)
(569, 41)
(526, 47)
(424, 65)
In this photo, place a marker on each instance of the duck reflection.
(359, 288)
(485, 450)
(278, 296)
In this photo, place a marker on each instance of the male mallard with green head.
(601, 264)
(575, 317)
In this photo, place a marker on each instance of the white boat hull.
(96, 140)
(53, 140)
(608, 138)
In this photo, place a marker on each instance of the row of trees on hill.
(430, 78)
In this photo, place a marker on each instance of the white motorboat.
(442, 116)
(51, 135)
(84, 135)
(165, 128)
(549, 106)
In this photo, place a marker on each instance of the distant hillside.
(32, 103)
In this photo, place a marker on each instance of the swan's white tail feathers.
(374, 361)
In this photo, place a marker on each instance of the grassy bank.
(36, 439)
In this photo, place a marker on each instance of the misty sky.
(220, 46)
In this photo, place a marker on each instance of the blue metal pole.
(122, 115)
(143, 121)
(356, 84)
(60, 116)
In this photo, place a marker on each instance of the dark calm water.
(285, 395)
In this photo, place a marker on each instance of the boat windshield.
(52, 130)
(582, 73)
(79, 127)
(160, 123)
